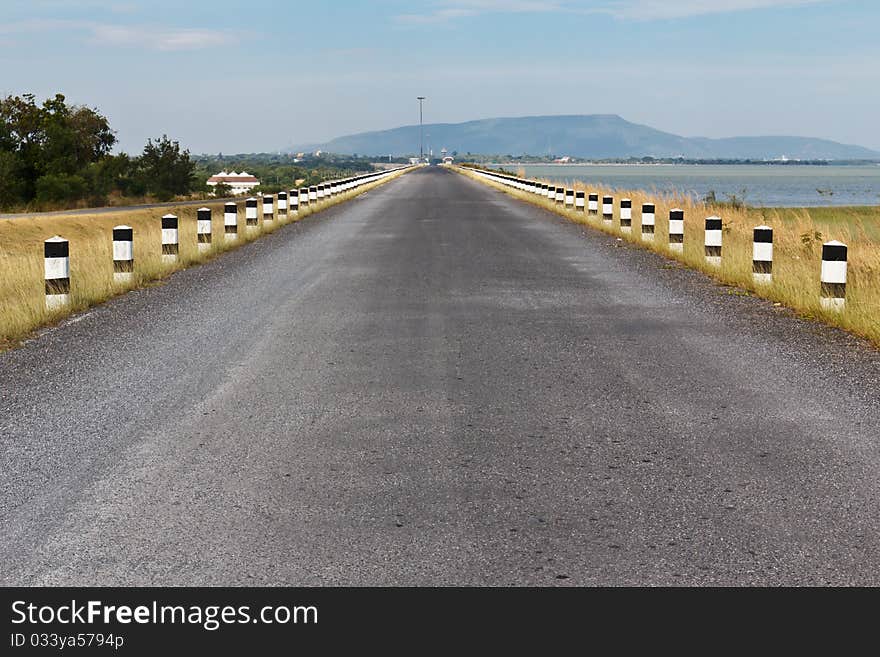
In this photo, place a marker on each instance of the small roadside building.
(239, 183)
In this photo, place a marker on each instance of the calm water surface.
(769, 186)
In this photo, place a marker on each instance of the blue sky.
(259, 76)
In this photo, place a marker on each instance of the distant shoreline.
(600, 163)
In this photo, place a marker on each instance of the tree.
(12, 179)
(166, 170)
(112, 173)
(55, 187)
(20, 138)
(221, 190)
(55, 140)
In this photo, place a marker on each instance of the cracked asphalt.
(436, 384)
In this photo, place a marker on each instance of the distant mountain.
(586, 136)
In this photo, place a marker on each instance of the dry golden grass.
(797, 242)
(22, 286)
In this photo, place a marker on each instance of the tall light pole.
(421, 142)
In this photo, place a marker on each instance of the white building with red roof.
(239, 183)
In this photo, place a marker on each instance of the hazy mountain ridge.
(584, 136)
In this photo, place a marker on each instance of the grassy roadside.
(798, 238)
(22, 291)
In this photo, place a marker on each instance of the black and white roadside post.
(833, 291)
(293, 199)
(170, 239)
(123, 254)
(626, 215)
(551, 192)
(648, 222)
(304, 197)
(607, 209)
(712, 241)
(230, 221)
(251, 220)
(282, 206)
(203, 228)
(676, 230)
(579, 204)
(313, 194)
(268, 208)
(56, 268)
(560, 195)
(569, 199)
(543, 190)
(762, 255)
(593, 204)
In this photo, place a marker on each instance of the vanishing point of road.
(437, 384)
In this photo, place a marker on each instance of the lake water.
(768, 186)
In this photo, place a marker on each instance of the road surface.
(437, 384)
(108, 209)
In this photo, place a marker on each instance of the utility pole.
(421, 140)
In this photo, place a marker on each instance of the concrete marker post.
(712, 241)
(282, 206)
(251, 220)
(579, 202)
(676, 230)
(569, 199)
(593, 204)
(626, 215)
(230, 222)
(170, 239)
(56, 272)
(833, 276)
(313, 194)
(123, 254)
(268, 209)
(762, 255)
(293, 202)
(203, 229)
(648, 222)
(304, 197)
(560, 195)
(607, 209)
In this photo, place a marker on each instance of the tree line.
(58, 155)
(283, 171)
(55, 154)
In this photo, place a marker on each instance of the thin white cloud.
(665, 9)
(162, 39)
(444, 11)
(448, 10)
(149, 37)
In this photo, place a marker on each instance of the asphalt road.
(106, 209)
(437, 384)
